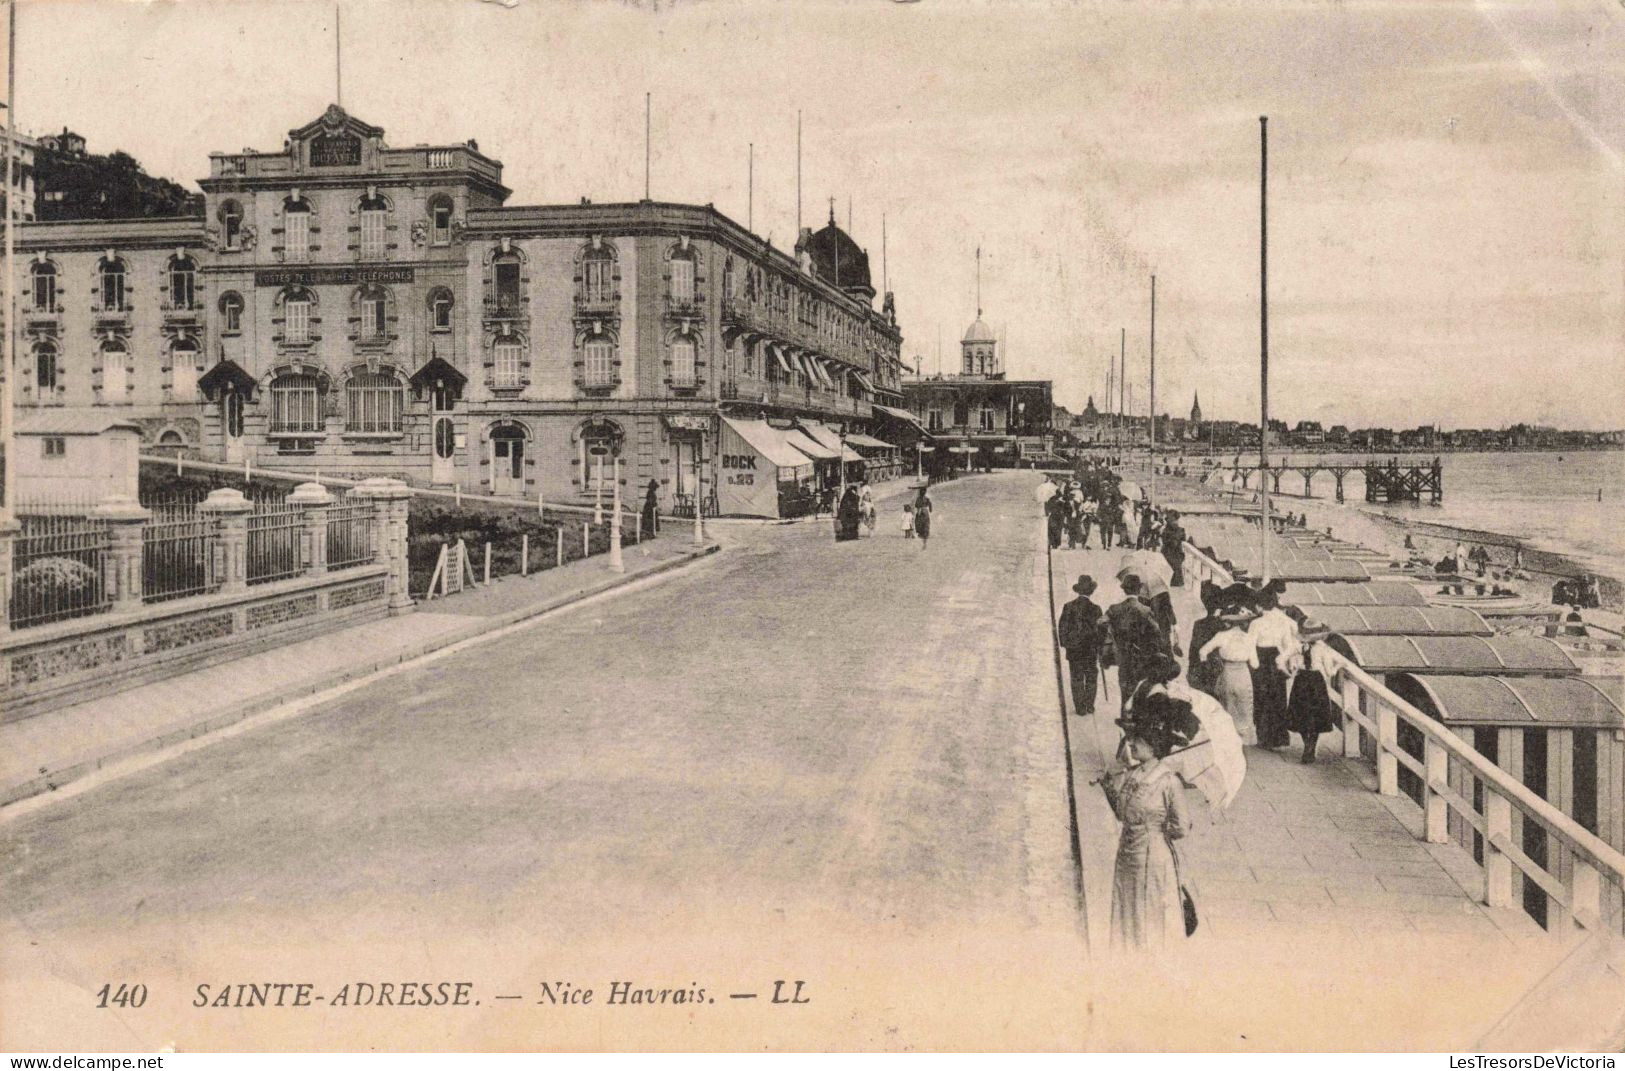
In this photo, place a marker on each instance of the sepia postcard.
(848, 525)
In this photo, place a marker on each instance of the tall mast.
(1153, 386)
(798, 174)
(1264, 339)
(647, 151)
(750, 195)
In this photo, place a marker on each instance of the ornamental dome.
(839, 259)
(978, 331)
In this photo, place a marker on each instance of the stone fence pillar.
(9, 530)
(121, 569)
(391, 500)
(313, 501)
(228, 565)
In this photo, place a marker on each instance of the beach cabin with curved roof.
(1373, 593)
(1401, 621)
(1458, 655)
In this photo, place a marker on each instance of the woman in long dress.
(1148, 799)
(1233, 683)
(1309, 706)
(922, 518)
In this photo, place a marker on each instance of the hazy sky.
(1447, 181)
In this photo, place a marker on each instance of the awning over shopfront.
(777, 350)
(900, 414)
(869, 443)
(822, 373)
(863, 381)
(829, 439)
(756, 458)
(810, 446)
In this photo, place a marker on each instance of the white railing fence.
(1582, 878)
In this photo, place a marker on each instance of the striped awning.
(777, 350)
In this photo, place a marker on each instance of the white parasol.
(1148, 565)
(1215, 763)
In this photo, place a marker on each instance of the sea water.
(1547, 499)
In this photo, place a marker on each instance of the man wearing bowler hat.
(1080, 635)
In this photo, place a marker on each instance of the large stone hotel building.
(360, 309)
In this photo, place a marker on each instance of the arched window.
(440, 306)
(231, 224)
(183, 355)
(682, 278)
(45, 367)
(598, 277)
(440, 219)
(598, 363)
(231, 313)
(43, 278)
(507, 354)
(296, 231)
(682, 363)
(115, 370)
(296, 303)
(374, 216)
(112, 286)
(182, 283)
(296, 404)
(373, 403)
(374, 306)
(506, 268)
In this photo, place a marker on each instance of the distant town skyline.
(1447, 183)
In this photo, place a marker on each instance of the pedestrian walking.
(866, 506)
(1309, 706)
(1202, 673)
(1237, 659)
(1149, 801)
(651, 509)
(1274, 634)
(1173, 548)
(922, 518)
(847, 516)
(1134, 634)
(908, 520)
(1080, 634)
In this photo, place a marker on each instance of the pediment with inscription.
(335, 139)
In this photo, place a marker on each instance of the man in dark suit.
(1135, 635)
(1080, 636)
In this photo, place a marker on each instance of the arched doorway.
(507, 459)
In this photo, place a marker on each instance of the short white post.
(1497, 867)
(586, 539)
(524, 554)
(1387, 743)
(637, 527)
(541, 508)
(457, 493)
(559, 536)
(248, 467)
(1435, 808)
(598, 493)
(616, 564)
(487, 563)
(1351, 728)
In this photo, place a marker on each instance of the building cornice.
(95, 234)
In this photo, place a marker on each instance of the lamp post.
(699, 495)
(615, 563)
(598, 485)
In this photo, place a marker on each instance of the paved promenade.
(1315, 896)
(798, 759)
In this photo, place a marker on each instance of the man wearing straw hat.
(1079, 634)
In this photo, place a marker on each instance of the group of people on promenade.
(855, 511)
(1264, 668)
(1095, 498)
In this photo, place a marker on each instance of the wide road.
(838, 762)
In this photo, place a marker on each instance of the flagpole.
(1264, 343)
(1153, 388)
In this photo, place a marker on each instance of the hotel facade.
(360, 310)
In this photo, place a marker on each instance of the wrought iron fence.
(59, 569)
(176, 545)
(349, 534)
(275, 531)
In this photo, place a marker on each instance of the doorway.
(443, 463)
(507, 460)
